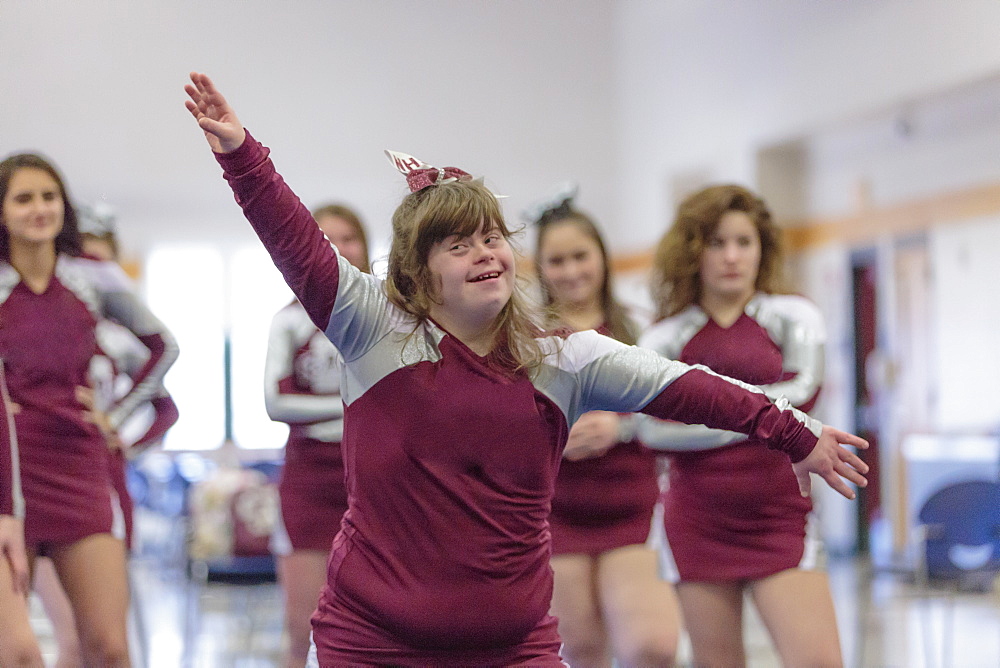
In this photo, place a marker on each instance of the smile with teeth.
(487, 276)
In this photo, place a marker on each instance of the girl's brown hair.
(348, 215)
(615, 316)
(431, 215)
(68, 240)
(676, 265)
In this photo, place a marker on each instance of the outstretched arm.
(699, 396)
(348, 306)
(613, 376)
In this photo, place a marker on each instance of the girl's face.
(33, 207)
(571, 265)
(731, 259)
(474, 276)
(345, 237)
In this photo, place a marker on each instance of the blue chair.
(960, 545)
(961, 533)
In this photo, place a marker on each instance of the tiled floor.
(885, 620)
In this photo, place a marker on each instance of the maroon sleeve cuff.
(248, 155)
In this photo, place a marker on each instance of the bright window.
(185, 288)
(257, 292)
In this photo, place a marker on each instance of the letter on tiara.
(405, 163)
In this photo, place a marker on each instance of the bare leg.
(640, 609)
(713, 616)
(18, 646)
(93, 574)
(302, 574)
(797, 608)
(60, 613)
(574, 602)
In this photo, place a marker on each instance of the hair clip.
(98, 219)
(420, 175)
(554, 207)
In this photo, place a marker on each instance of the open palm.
(223, 129)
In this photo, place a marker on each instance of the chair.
(961, 534)
(959, 530)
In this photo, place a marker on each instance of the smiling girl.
(456, 414)
(608, 596)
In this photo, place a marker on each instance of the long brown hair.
(676, 265)
(68, 240)
(615, 316)
(349, 216)
(435, 213)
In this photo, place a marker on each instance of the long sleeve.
(677, 437)
(121, 305)
(349, 306)
(613, 376)
(287, 229)
(165, 415)
(704, 398)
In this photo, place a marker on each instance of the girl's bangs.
(460, 211)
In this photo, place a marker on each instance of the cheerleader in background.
(608, 595)
(51, 299)
(719, 294)
(302, 389)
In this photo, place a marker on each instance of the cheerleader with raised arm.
(456, 414)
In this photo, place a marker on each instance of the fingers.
(849, 439)
(12, 549)
(852, 460)
(19, 571)
(849, 473)
(200, 91)
(206, 96)
(85, 395)
(837, 483)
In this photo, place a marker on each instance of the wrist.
(627, 426)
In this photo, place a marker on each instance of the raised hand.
(223, 129)
(833, 462)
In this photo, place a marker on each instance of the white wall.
(967, 306)
(704, 85)
(519, 91)
(623, 96)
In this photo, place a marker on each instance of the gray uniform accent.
(583, 372)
